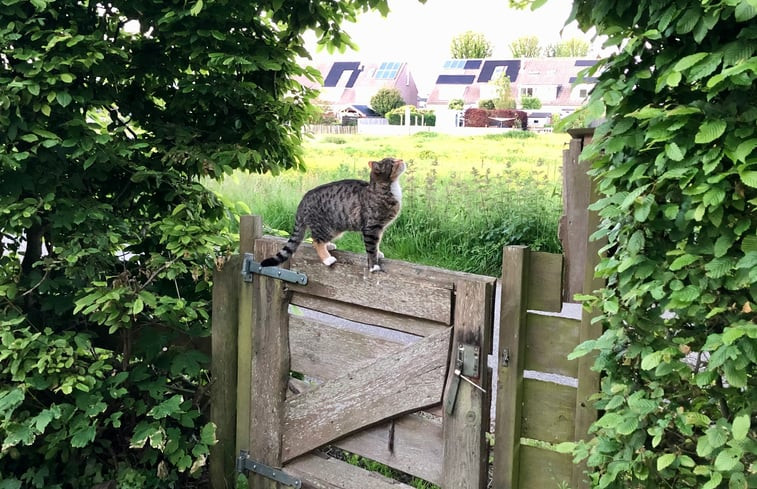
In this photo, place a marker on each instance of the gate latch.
(250, 267)
(245, 464)
(466, 368)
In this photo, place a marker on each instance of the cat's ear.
(370, 164)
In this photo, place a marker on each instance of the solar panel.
(387, 71)
(454, 64)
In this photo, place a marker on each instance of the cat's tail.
(295, 239)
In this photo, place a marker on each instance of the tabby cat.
(348, 205)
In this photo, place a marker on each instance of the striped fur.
(348, 205)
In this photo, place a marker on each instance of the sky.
(421, 34)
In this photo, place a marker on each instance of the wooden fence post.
(250, 229)
(588, 379)
(465, 445)
(223, 367)
(269, 367)
(515, 264)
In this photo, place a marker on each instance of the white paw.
(330, 246)
(379, 255)
(329, 261)
(375, 268)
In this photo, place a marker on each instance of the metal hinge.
(245, 464)
(250, 267)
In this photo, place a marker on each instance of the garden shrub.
(676, 166)
(418, 117)
(482, 118)
(108, 239)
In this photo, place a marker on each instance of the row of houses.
(348, 86)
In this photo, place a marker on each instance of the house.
(350, 85)
(548, 79)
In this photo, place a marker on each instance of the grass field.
(464, 197)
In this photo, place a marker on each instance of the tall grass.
(464, 198)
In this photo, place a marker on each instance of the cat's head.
(386, 170)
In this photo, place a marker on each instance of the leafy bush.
(483, 118)
(385, 100)
(418, 117)
(675, 164)
(108, 241)
(530, 103)
(456, 104)
(486, 103)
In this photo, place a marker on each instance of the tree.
(526, 47)
(571, 48)
(470, 45)
(530, 103)
(112, 113)
(456, 104)
(386, 99)
(674, 162)
(505, 99)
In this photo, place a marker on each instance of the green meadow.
(464, 197)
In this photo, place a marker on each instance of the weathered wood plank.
(392, 292)
(407, 380)
(250, 228)
(514, 294)
(223, 368)
(418, 445)
(465, 447)
(325, 352)
(549, 340)
(573, 229)
(588, 379)
(269, 370)
(545, 282)
(544, 469)
(328, 473)
(397, 322)
(548, 411)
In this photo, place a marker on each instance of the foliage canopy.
(470, 45)
(111, 112)
(385, 100)
(526, 47)
(676, 166)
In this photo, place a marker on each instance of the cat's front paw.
(376, 268)
(329, 261)
(330, 246)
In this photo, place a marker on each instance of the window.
(583, 93)
(499, 71)
(454, 64)
(527, 92)
(387, 71)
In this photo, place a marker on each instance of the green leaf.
(689, 61)
(196, 8)
(67, 77)
(83, 437)
(683, 261)
(714, 481)
(749, 178)
(674, 152)
(710, 131)
(63, 98)
(736, 377)
(727, 459)
(665, 460)
(744, 11)
(744, 149)
(741, 425)
(166, 408)
(10, 400)
(208, 434)
(749, 244)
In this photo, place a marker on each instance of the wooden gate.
(374, 350)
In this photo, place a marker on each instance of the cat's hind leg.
(323, 253)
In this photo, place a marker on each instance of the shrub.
(456, 104)
(418, 117)
(483, 118)
(486, 103)
(675, 166)
(530, 103)
(385, 100)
